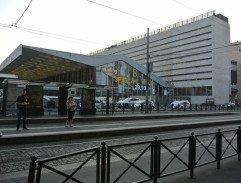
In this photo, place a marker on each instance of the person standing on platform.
(71, 107)
(21, 102)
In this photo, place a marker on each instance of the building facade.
(235, 84)
(193, 55)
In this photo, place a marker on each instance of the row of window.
(184, 62)
(185, 74)
(193, 67)
(193, 91)
(165, 45)
(185, 80)
(168, 37)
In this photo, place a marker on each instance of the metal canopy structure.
(56, 84)
(32, 63)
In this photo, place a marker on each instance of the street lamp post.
(147, 69)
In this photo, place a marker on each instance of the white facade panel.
(195, 53)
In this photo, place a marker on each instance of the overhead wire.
(58, 36)
(15, 24)
(124, 12)
(48, 34)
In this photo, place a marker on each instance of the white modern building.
(236, 72)
(194, 55)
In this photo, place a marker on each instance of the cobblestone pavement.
(17, 158)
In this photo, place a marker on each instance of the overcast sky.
(84, 26)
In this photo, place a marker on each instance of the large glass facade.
(127, 82)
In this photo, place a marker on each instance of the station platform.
(52, 128)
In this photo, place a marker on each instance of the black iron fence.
(145, 161)
(114, 108)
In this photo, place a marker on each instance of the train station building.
(54, 75)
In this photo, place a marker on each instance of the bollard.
(158, 107)
(218, 148)
(103, 163)
(165, 107)
(32, 168)
(196, 107)
(239, 142)
(133, 108)
(192, 154)
(172, 107)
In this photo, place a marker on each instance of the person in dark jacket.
(21, 102)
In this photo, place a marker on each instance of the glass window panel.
(184, 92)
(189, 91)
(204, 91)
(209, 90)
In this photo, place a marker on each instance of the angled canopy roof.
(38, 63)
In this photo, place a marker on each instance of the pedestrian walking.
(71, 107)
(21, 102)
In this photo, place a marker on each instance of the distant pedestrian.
(21, 102)
(71, 107)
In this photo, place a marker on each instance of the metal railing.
(114, 108)
(156, 159)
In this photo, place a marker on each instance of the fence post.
(103, 160)
(113, 108)
(192, 154)
(201, 107)
(123, 108)
(218, 148)
(150, 108)
(39, 169)
(32, 168)
(239, 142)
(155, 160)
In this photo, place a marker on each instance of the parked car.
(181, 104)
(128, 102)
(139, 103)
(229, 104)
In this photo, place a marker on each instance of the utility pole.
(147, 69)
